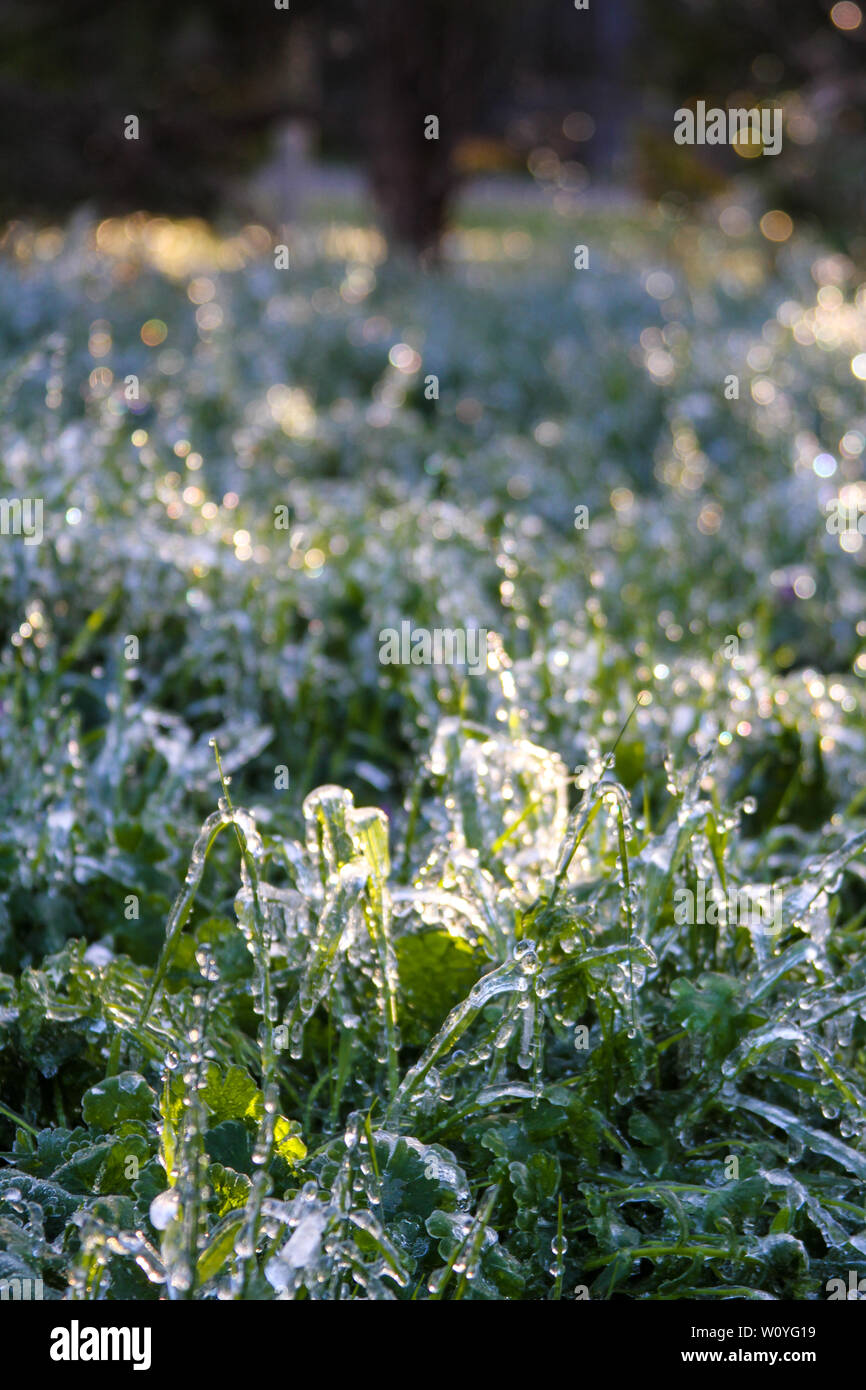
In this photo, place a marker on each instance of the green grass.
(426, 1022)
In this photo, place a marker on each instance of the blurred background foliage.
(566, 97)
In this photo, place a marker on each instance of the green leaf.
(118, 1098)
(287, 1141)
(220, 1247)
(417, 1178)
(230, 1188)
(436, 971)
(229, 1097)
(229, 1143)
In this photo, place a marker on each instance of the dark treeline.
(212, 83)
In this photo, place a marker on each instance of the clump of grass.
(425, 1023)
(610, 1107)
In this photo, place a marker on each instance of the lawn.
(437, 1016)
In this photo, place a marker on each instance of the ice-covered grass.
(427, 1019)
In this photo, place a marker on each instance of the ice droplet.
(164, 1208)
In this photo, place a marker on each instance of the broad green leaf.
(118, 1098)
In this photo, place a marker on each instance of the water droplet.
(164, 1208)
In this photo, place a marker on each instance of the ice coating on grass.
(329, 840)
(164, 1208)
(513, 976)
(303, 1245)
(336, 918)
(450, 903)
(819, 1140)
(601, 883)
(498, 786)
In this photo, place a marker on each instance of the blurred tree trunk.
(614, 38)
(422, 61)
